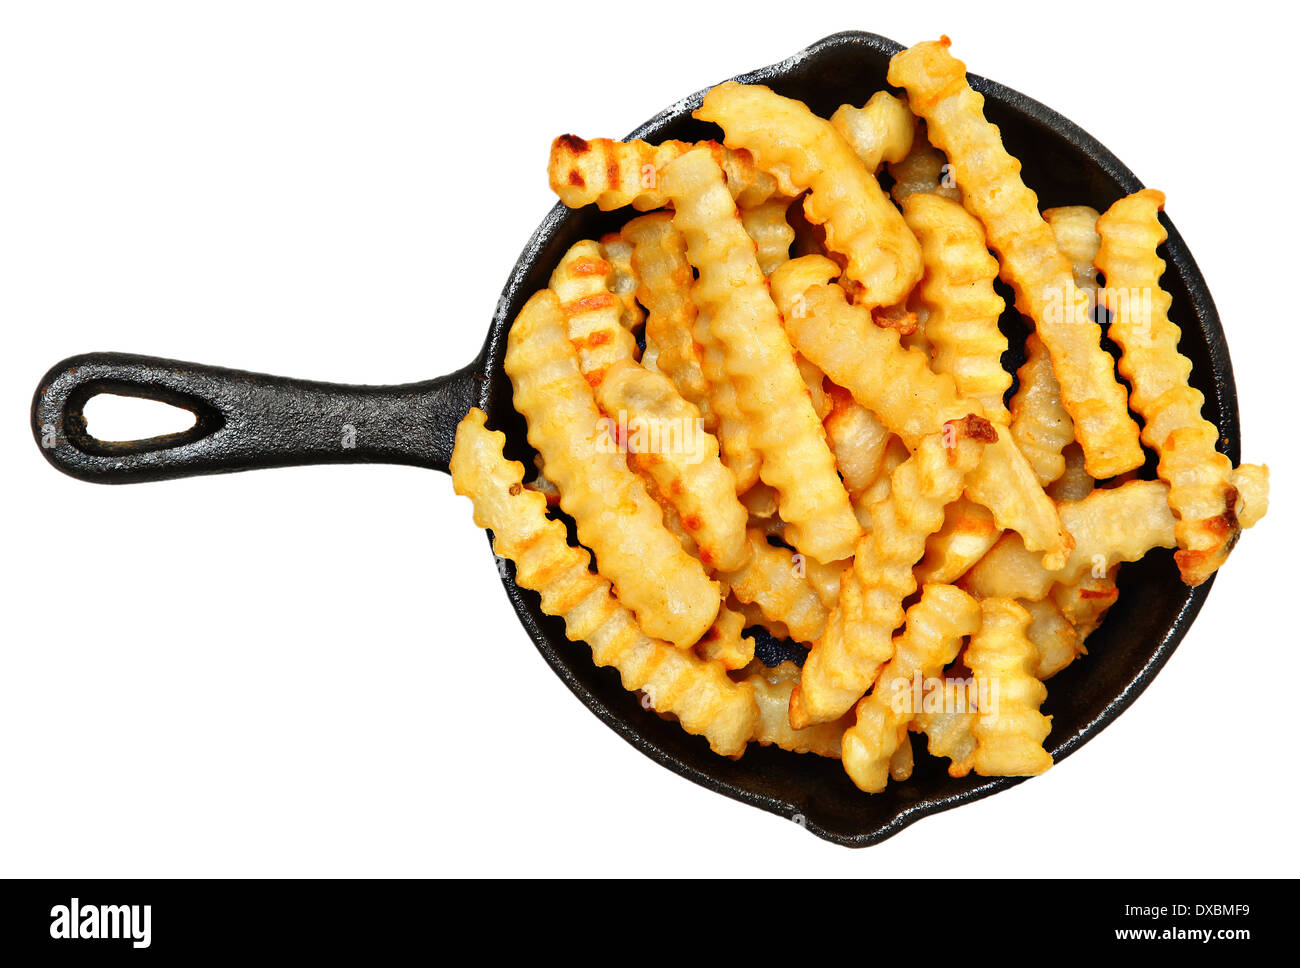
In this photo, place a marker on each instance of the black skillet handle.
(244, 421)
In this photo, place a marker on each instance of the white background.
(315, 671)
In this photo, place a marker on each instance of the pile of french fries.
(815, 434)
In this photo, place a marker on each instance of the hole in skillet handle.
(1064, 165)
(207, 419)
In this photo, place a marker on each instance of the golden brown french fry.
(878, 132)
(760, 362)
(1009, 733)
(804, 152)
(1030, 261)
(932, 638)
(698, 693)
(613, 174)
(665, 280)
(1199, 477)
(963, 310)
(845, 660)
(777, 583)
(668, 590)
(666, 440)
(767, 225)
(968, 533)
(725, 642)
(592, 311)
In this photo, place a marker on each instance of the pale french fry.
(665, 279)
(1030, 261)
(623, 282)
(772, 688)
(668, 590)
(962, 325)
(878, 132)
(1199, 477)
(1009, 735)
(825, 578)
(858, 440)
(968, 532)
(666, 440)
(613, 174)
(931, 640)
(698, 693)
(1056, 643)
(924, 169)
(754, 618)
(725, 642)
(895, 453)
(771, 232)
(1251, 483)
(857, 642)
(592, 312)
(1084, 602)
(815, 381)
(777, 583)
(760, 362)
(949, 734)
(1074, 484)
(1039, 422)
(900, 764)
(909, 398)
(1109, 526)
(1074, 227)
(804, 152)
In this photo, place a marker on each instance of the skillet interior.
(1063, 165)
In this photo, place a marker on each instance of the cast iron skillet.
(246, 421)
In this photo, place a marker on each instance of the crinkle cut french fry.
(665, 281)
(825, 578)
(968, 532)
(858, 440)
(895, 453)
(878, 132)
(900, 764)
(962, 325)
(1031, 263)
(613, 174)
(1251, 484)
(771, 232)
(1056, 643)
(1075, 229)
(725, 642)
(924, 169)
(1199, 477)
(1085, 602)
(777, 583)
(844, 662)
(760, 362)
(948, 734)
(772, 689)
(1039, 422)
(698, 693)
(667, 442)
(1109, 526)
(668, 590)
(623, 282)
(1009, 734)
(932, 638)
(591, 310)
(909, 398)
(798, 147)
